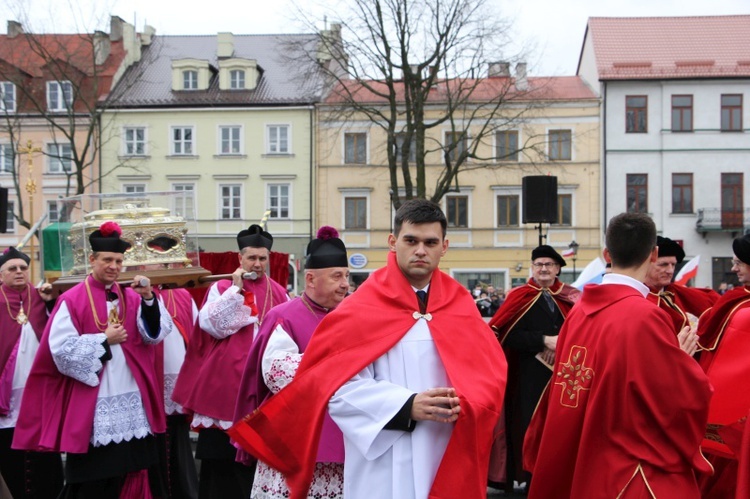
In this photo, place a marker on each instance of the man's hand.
(436, 404)
(142, 286)
(237, 277)
(45, 291)
(550, 343)
(548, 356)
(116, 334)
(688, 339)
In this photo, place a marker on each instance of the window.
(59, 95)
(278, 139)
(637, 193)
(278, 200)
(11, 219)
(231, 202)
(237, 79)
(507, 210)
(190, 80)
(565, 209)
(53, 214)
(182, 140)
(60, 158)
(355, 148)
(731, 113)
(399, 148)
(355, 213)
(682, 193)
(636, 119)
(732, 206)
(455, 142)
(7, 97)
(134, 188)
(7, 158)
(682, 113)
(457, 211)
(183, 206)
(507, 145)
(230, 139)
(559, 144)
(135, 141)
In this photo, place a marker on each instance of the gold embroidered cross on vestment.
(574, 376)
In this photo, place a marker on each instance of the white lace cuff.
(227, 315)
(282, 371)
(80, 357)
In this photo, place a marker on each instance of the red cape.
(712, 324)
(695, 301)
(520, 300)
(636, 422)
(364, 327)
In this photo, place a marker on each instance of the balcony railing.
(716, 219)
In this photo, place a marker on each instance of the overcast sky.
(555, 27)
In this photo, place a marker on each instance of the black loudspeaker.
(540, 199)
(3, 210)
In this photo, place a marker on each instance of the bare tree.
(64, 84)
(417, 67)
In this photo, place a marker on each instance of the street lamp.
(574, 246)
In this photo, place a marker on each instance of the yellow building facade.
(489, 243)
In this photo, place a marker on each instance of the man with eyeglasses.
(683, 304)
(724, 338)
(527, 325)
(24, 311)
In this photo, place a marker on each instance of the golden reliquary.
(157, 238)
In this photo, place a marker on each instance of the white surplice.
(391, 464)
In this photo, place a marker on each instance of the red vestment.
(725, 333)
(625, 410)
(520, 300)
(678, 301)
(364, 327)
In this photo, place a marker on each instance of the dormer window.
(190, 80)
(59, 95)
(190, 74)
(237, 79)
(238, 74)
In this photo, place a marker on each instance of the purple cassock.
(210, 376)
(57, 411)
(12, 301)
(298, 319)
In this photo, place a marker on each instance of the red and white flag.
(568, 253)
(688, 271)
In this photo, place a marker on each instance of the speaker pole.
(542, 236)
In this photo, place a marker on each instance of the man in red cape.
(527, 325)
(626, 408)
(354, 338)
(724, 338)
(676, 300)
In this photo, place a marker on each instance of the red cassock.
(725, 336)
(284, 432)
(625, 410)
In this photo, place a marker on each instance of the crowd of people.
(629, 388)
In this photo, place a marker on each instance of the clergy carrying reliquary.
(156, 224)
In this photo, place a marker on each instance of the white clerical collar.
(614, 278)
(425, 289)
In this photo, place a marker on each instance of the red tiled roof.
(31, 52)
(671, 47)
(561, 88)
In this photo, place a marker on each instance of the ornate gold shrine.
(156, 237)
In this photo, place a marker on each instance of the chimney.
(148, 35)
(499, 69)
(14, 29)
(101, 47)
(522, 83)
(115, 28)
(225, 45)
